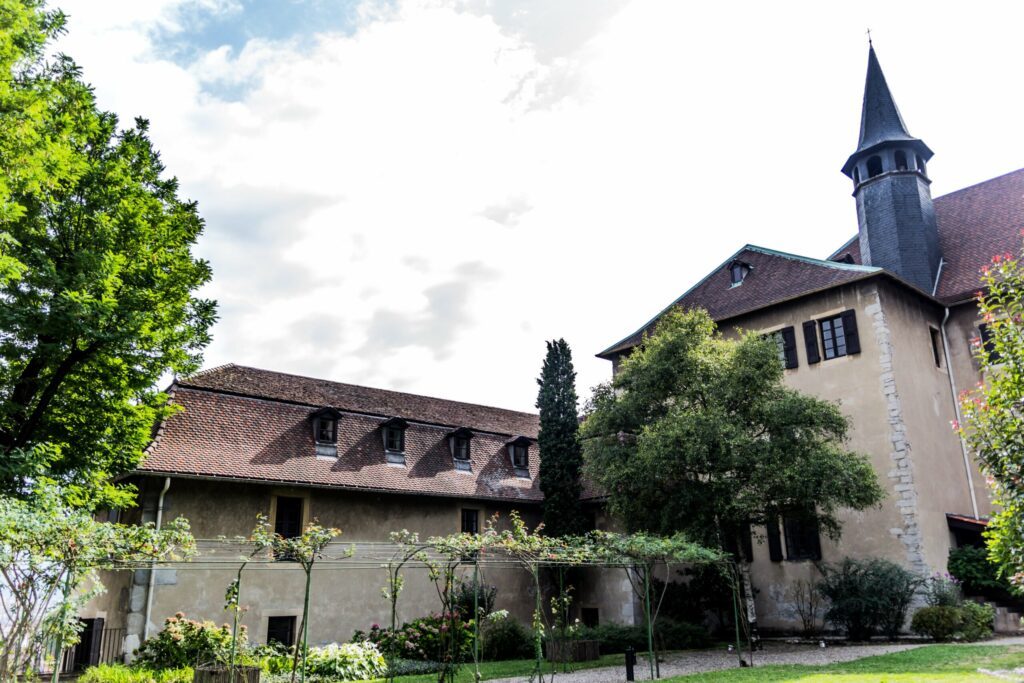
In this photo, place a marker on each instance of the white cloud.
(421, 200)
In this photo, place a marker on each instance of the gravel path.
(697, 661)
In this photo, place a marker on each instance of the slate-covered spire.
(890, 182)
(880, 120)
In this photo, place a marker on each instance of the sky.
(416, 194)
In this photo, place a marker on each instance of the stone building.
(366, 461)
(884, 326)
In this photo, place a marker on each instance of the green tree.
(97, 278)
(698, 434)
(561, 456)
(993, 412)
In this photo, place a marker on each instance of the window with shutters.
(281, 630)
(838, 335)
(785, 342)
(803, 542)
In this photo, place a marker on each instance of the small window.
(325, 426)
(288, 517)
(833, 337)
(901, 160)
(520, 456)
(874, 166)
(936, 339)
(281, 630)
(803, 542)
(470, 521)
(460, 447)
(737, 272)
(394, 439)
(920, 165)
(856, 175)
(785, 343)
(590, 616)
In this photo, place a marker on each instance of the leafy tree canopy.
(561, 456)
(97, 278)
(699, 434)
(994, 411)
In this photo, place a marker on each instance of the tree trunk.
(748, 597)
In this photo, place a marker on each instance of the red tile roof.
(774, 277)
(245, 423)
(975, 224)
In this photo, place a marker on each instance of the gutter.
(152, 569)
(956, 411)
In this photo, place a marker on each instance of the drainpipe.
(956, 409)
(152, 569)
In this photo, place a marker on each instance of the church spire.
(890, 183)
(880, 120)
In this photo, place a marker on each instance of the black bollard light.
(630, 662)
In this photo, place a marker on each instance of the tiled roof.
(246, 381)
(244, 423)
(774, 277)
(975, 224)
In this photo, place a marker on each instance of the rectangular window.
(288, 517)
(802, 539)
(936, 338)
(590, 616)
(281, 630)
(470, 521)
(520, 456)
(833, 337)
(785, 342)
(461, 448)
(987, 343)
(394, 440)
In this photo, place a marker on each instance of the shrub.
(420, 639)
(413, 667)
(462, 599)
(939, 622)
(978, 620)
(347, 662)
(119, 673)
(978, 576)
(943, 590)
(186, 642)
(505, 639)
(867, 596)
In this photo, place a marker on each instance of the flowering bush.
(421, 639)
(186, 642)
(943, 590)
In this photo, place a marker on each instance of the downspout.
(152, 569)
(956, 410)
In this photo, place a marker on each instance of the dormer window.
(393, 434)
(738, 271)
(519, 454)
(325, 431)
(459, 441)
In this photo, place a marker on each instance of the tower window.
(920, 165)
(874, 166)
(901, 160)
(856, 175)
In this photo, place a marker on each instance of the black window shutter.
(811, 342)
(774, 540)
(789, 347)
(987, 343)
(850, 330)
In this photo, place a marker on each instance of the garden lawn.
(513, 667)
(945, 663)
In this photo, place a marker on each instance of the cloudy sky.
(417, 194)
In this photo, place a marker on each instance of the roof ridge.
(357, 386)
(814, 261)
(207, 371)
(979, 184)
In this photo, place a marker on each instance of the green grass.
(514, 667)
(932, 663)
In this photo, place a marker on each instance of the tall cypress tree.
(561, 457)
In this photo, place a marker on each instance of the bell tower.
(895, 215)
